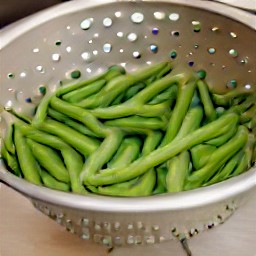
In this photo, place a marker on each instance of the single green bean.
(228, 168)
(143, 186)
(84, 144)
(50, 160)
(227, 99)
(162, 154)
(118, 100)
(81, 115)
(248, 115)
(133, 90)
(11, 161)
(218, 158)
(152, 123)
(184, 98)
(209, 110)
(102, 155)
(78, 126)
(168, 94)
(191, 122)
(52, 183)
(200, 154)
(83, 92)
(28, 164)
(107, 75)
(128, 151)
(166, 70)
(178, 170)
(160, 181)
(8, 139)
(151, 142)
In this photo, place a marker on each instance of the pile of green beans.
(152, 131)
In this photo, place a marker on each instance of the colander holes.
(107, 22)
(136, 55)
(154, 48)
(231, 84)
(132, 37)
(56, 57)
(159, 15)
(88, 70)
(191, 63)
(42, 90)
(23, 74)
(233, 35)
(137, 17)
(247, 86)
(95, 52)
(173, 54)
(174, 16)
(175, 33)
(215, 29)
(121, 50)
(86, 56)
(58, 43)
(196, 25)
(211, 50)
(196, 46)
(90, 41)
(223, 67)
(118, 14)
(40, 69)
(75, 74)
(155, 31)
(244, 61)
(149, 62)
(96, 35)
(28, 100)
(120, 34)
(68, 49)
(68, 27)
(86, 24)
(10, 75)
(35, 50)
(107, 47)
(233, 53)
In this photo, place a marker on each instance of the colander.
(90, 36)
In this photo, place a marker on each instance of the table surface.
(25, 231)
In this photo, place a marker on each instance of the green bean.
(220, 140)
(162, 154)
(49, 160)
(70, 122)
(84, 92)
(160, 181)
(166, 70)
(133, 90)
(143, 186)
(41, 111)
(84, 144)
(52, 183)
(191, 122)
(151, 142)
(227, 99)
(81, 115)
(128, 151)
(209, 110)
(127, 109)
(168, 94)
(118, 99)
(152, 123)
(228, 168)
(8, 139)
(184, 98)
(108, 75)
(102, 155)
(251, 125)
(200, 154)
(248, 114)
(178, 169)
(28, 165)
(218, 158)
(246, 161)
(11, 161)
(113, 88)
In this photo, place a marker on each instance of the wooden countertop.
(24, 231)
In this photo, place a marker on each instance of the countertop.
(24, 231)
